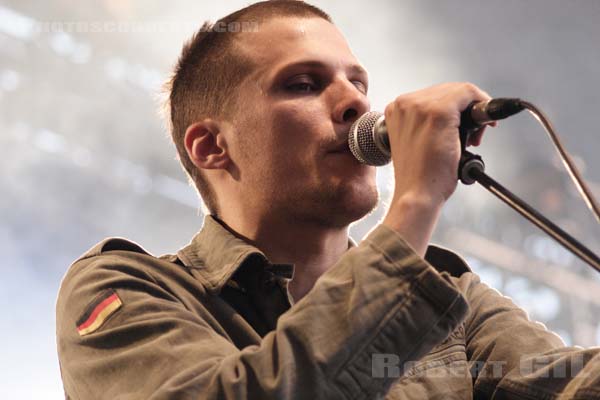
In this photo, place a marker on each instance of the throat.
(311, 263)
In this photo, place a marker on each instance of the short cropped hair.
(205, 78)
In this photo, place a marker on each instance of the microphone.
(369, 142)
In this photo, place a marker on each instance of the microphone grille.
(361, 140)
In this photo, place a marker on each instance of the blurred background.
(86, 154)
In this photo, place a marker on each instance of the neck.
(312, 247)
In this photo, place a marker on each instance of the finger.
(466, 93)
(476, 137)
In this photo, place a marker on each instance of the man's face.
(291, 122)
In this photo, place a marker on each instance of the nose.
(350, 103)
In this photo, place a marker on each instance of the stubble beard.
(332, 207)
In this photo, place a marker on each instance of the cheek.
(298, 127)
(297, 154)
(283, 142)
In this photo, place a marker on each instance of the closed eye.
(361, 86)
(303, 84)
(302, 87)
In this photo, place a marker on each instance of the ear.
(206, 146)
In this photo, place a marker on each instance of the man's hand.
(425, 146)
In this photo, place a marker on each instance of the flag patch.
(98, 311)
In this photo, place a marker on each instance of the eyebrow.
(352, 68)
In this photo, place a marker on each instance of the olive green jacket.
(214, 321)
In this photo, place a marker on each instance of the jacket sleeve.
(513, 357)
(379, 299)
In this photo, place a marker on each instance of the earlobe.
(206, 145)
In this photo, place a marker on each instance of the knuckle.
(420, 104)
(399, 105)
(469, 87)
(390, 109)
(475, 91)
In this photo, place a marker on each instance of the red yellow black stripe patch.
(98, 311)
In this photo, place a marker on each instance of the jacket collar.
(215, 254)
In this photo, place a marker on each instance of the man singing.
(270, 300)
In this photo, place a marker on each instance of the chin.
(356, 203)
(338, 207)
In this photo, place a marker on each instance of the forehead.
(280, 41)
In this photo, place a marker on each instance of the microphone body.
(368, 137)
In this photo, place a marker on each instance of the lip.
(340, 148)
(342, 151)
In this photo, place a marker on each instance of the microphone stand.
(471, 169)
